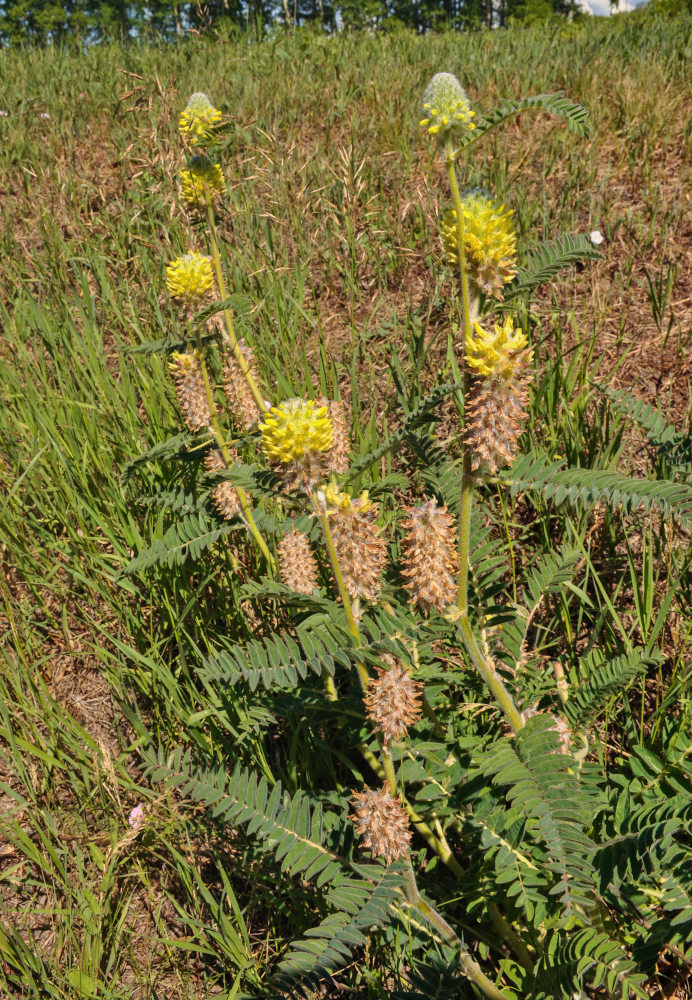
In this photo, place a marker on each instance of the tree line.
(38, 22)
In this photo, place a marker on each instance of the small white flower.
(596, 237)
(4, 114)
(44, 114)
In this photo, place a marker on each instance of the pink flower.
(136, 817)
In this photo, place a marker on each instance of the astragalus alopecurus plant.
(454, 796)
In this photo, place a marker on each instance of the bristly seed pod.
(189, 388)
(297, 563)
(338, 460)
(241, 402)
(393, 700)
(380, 819)
(360, 550)
(496, 407)
(225, 496)
(429, 555)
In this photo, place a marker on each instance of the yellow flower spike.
(497, 353)
(446, 107)
(294, 429)
(490, 242)
(190, 278)
(198, 120)
(343, 501)
(203, 180)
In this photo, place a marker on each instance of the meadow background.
(330, 233)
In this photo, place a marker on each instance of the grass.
(330, 232)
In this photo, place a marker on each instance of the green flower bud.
(446, 107)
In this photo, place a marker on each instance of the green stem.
(471, 968)
(513, 939)
(229, 333)
(223, 448)
(487, 670)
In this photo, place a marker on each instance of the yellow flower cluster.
(204, 180)
(497, 353)
(296, 428)
(198, 120)
(490, 242)
(190, 278)
(343, 501)
(446, 106)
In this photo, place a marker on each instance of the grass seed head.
(380, 819)
(297, 563)
(446, 107)
(429, 556)
(198, 121)
(393, 700)
(490, 243)
(189, 388)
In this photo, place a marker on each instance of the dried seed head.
(240, 399)
(204, 180)
(341, 448)
(393, 700)
(429, 555)
(198, 120)
(189, 388)
(189, 279)
(490, 243)
(503, 352)
(360, 550)
(495, 413)
(297, 563)
(380, 819)
(224, 494)
(446, 107)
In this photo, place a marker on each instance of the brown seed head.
(189, 388)
(240, 399)
(361, 551)
(339, 452)
(429, 556)
(296, 563)
(393, 700)
(224, 494)
(495, 414)
(381, 821)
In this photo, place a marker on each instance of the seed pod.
(495, 415)
(380, 819)
(430, 560)
(241, 402)
(297, 563)
(225, 496)
(189, 388)
(360, 550)
(393, 700)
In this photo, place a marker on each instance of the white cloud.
(602, 8)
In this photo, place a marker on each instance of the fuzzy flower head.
(380, 819)
(202, 182)
(497, 353)
(198, 120)
(189, 278)
(294, 429)
(490, 242)
(446, 107)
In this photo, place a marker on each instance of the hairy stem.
(471, 968)
(223, 448)
(229, 333)
(486, 669)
